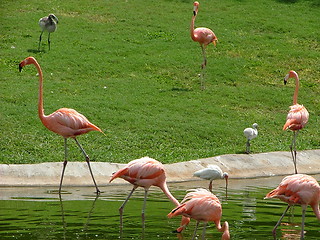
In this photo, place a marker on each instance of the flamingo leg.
(40, 40)
(204, 230)
(195, 231)
(293, 150)
(203, 66)
(278, 223)
(144, 206)
(64, 163)
(124, 204)
(304, 207)
(88, 162)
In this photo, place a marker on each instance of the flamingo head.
(195, 8)
(53, 17)
(291, 74)
(255, 125)
(27, 61)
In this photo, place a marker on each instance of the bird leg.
(278, 223)
(88, 162)
(124, 204)
(49, 40)
(304, 207)
(248, 147)
(195, 231)
(210, 186)
(40, 40)
(64, 163)
(144, 206)
(293, 150)
(203, 67)
(204, 230)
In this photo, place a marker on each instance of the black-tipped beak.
(20, 67)
(285, 81)
(194, 13)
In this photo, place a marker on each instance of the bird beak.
(286, 79)
(194, 13)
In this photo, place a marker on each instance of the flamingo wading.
(48, 24)
(144, 172)
(204, 36)
(297, 117)
(297, 189)
(65, 121)
(250, 133)
(202, 205)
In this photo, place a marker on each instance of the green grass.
(132, 69)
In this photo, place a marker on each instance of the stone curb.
(237, 165)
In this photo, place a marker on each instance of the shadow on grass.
(34, 51)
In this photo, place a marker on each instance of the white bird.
(48, 24)
(212, 172)
(250, 133)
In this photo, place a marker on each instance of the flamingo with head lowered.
(297, 117)
(66, 122)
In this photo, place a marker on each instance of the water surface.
(38, 213)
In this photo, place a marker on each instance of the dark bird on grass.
(250, 133)
(48, 24)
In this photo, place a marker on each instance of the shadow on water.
(38, 213)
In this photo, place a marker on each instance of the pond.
(38, 213)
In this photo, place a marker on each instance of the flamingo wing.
(69, 123)
(297, 117)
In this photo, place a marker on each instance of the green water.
(35, 213)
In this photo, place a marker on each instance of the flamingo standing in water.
(250, 133)
(144, 172)
(204, 206)
(48, 24)
(204, 36)
(297, 189)
(66, 122)
(297, 117)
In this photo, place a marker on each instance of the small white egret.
(212, 172)
(48, 24)
(250, 133)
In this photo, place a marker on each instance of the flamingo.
(250, 133)
(204, 36)
(202, 205)
(297, 189)
(144, 172)
(297, 117)
(211, 173)
(66, 122)
(48, 24)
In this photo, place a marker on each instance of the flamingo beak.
(286, 79)
(20, 67)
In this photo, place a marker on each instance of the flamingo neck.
(192, 27)
(295, 95)
(224, 229)
(316, 210)
(40, 98)
(166, 191)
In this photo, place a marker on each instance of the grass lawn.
(132, 69)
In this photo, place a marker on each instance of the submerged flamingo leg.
(64, 163)
(144, 206)
(278, 223)
(304, 207)
(124, 204)
(195, 231)
(88, 162)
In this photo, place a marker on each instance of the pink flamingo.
(297, 117)
(66, 122)
(202, 35)
(202, 205)
(297, 189)
(144, 172)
